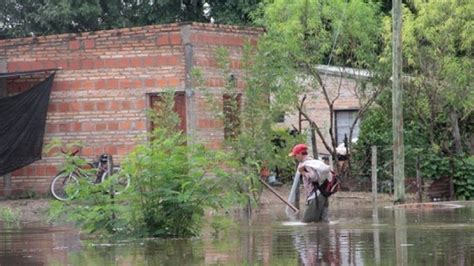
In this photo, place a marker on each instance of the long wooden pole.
(419, 186)
(397, 104)
(374, 176)
(7, 178)
(279, 196)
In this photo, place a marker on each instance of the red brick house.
(107, 79)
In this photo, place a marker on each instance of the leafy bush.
(435, 160)
(464, 178)
(286, 164)
(173, 183)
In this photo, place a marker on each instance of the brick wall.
(317, 107)
(206, 41)
(100, 94)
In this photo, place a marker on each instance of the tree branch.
(315, 126)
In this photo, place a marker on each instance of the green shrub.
(286, 164)
(464, 178)
(173, 183)
(436, 157)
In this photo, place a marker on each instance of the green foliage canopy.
(19, 18)
(438, 50)
(302, 35)
(438, 94)
(311, 31)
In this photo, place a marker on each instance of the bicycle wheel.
(64, 186)
(120, 181)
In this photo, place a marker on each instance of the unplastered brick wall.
(206, 40)
(342, 87)
(102, 89)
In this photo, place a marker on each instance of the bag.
(327, 188)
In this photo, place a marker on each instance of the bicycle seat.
(103, 157)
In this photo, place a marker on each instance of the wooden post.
(374, 175)
(397, 104)
(110, 170)
(7, 179)
(313, 144)
(110, 165)
(419, 184)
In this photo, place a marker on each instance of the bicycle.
(65, 185)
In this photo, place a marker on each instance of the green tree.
(25, 17)
(438, 50)
(19, 18)
(300, 35)
(438, 95)
(248, 115)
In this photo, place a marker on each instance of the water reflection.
(375, 219)
(401, 237)
(317, 245)
(35, 244)
(357, 236)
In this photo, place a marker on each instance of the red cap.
(297, 149)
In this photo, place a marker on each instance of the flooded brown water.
(355, 236)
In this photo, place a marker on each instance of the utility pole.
(397, 104)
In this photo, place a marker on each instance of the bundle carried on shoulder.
(322, 177)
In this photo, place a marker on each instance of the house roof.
(346, 71)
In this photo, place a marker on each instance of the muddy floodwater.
(356, 235)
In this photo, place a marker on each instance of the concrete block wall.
(100, 95)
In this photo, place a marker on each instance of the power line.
(338, 30)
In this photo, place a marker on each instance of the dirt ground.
(29, 210)
(342, 199)
(35, 210)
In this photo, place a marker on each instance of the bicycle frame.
(101, 168)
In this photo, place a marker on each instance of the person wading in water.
(313, 172)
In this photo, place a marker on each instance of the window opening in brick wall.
(231, 107)
(344, 120)
(179, 108)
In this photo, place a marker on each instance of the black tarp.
(22, 123)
